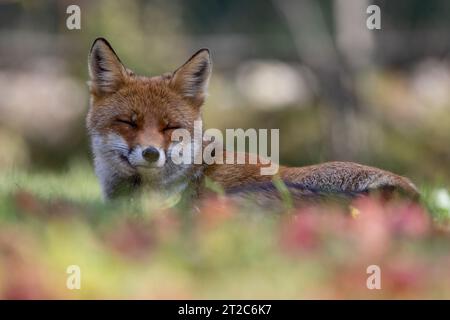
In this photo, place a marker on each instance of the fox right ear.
(191, 79)
(106, 71)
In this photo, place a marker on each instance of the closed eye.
(171, 127)
(127, 122)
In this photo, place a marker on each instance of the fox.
(131, 119)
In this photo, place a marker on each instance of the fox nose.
(151, 154)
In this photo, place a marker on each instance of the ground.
(147, 248)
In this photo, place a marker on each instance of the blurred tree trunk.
(333, 59)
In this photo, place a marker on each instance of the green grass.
(77, 184)
(149, 248)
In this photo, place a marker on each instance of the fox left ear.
(106, 71)
(192, 78)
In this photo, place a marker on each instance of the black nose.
(151, 154)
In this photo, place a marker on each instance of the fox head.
(131, 118)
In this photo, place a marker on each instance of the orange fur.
(129, 111)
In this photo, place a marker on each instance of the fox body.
(131, 120)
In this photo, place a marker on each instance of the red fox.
(131, 119)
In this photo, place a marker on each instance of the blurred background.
(336, 90)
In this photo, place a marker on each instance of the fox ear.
(191, 79)
(106, 71)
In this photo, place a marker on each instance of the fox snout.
(151, 154)
(147, 157)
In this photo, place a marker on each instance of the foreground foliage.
(148, 248)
